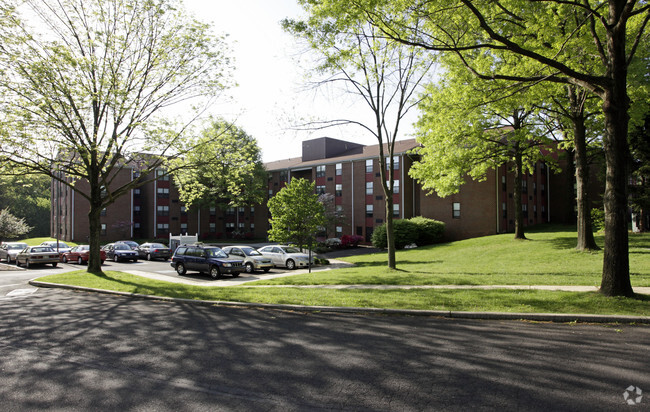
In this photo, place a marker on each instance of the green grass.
(548, 257)
(35, 241)
(497, 300)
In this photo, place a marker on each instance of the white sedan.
(288, 256)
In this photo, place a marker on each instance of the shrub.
(597, 220)
(418, 230)
(405, 231)
(430, 231)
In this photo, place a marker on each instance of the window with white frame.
(320, 171)
(369, 188)
(455, 208)
(213, 227)
(161, 174)
(369, 210)
(369, 166)
(103, 229)
(241, 226)
(339, 190)
(339, 169)
(395, 209)
(183, 227)
(213, 210)
(252, 226)
(339, 231)
(395, 186)
(163, 192)
(320, 190)
(230, 226)
(395, 163)
(162, 210)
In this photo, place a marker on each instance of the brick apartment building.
(347, 170)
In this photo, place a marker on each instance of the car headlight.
(227, 265)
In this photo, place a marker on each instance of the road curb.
(538, 317)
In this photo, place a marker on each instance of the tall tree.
(296, 213)
(223, 165)
(88, 86)
(527, 28)
(467, 128)
(383, 74)
(28, 196)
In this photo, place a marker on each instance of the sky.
(272, 94)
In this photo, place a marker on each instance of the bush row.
(417, 230)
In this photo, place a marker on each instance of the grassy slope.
(547, 258)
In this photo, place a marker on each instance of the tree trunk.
(585, 233)
(94, 260)
(390, 231)
(616, 265)
(519, 215)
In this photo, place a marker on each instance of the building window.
(136, 191)
(103, 212)
(230, 226)
(542, 189)
(162, 210)
(103, 229)
(230, 211)
(213, 227)
(504, 207)
(284, 175)
(339, 169)
(339, 190)
(241, 226)
(320, 190)
(183, 227)
(503, 183)
(369, 166)
(534, 188)
(455, 210)
(270, 192)
(240, 210)
(338, 209)
(163, 192)
(395, 186)
(524, 209)
(136, 225)
(252, 226)
(320, 171)
(395, 163)
(183, 210)
(161, 174)
(339, 231)
(524, 186)
(162, 229)
(369, 188)
(369, 210)
(213, 211)
(395, 210)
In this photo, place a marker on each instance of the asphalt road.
(64, 350)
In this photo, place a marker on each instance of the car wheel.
(115, 258)
(54, 264)
(249, 268)
(215, 273)
(291, 265)
(236, 274)
(27, 263)
(102, 262)
(180, 269)
(266, 270)
(17, 263)
(64, 259)
(148, 256)
(80, 261)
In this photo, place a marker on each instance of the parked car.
(253, 259)
(80, 254)
(63, 247)
(8, 251)
(120, 251)
(288, 256)
(133, 245)
(205, 259)
(152, 251)
(37, 255)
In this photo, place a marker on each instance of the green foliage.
(417, 230)
(430, 231)
(223, 165)
(12, 227)
(597, 219)
(28, 196)
(296, 213)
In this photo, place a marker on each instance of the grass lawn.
(35, 241)
(498, 300)
(548, 257)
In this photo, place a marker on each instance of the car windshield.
(83, 247)
(291, 250)
(215, 252)
(122, 246)
(23, 246)
(157, 245)
(41, 249)
(249, 251)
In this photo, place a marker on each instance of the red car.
(80, 254)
